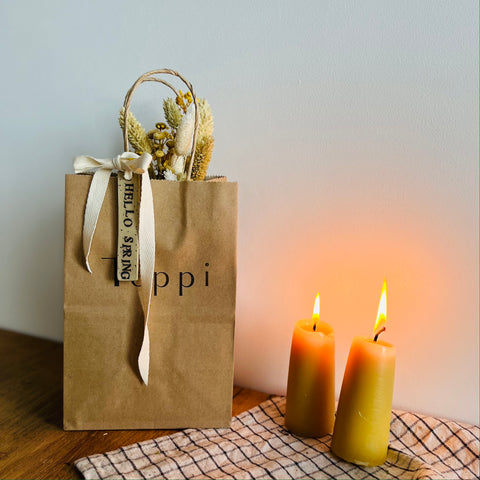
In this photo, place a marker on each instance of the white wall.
(351, 127)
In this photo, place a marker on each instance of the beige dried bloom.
(203, 154)
(205, 119)
(204, 147)
(184, 135)
(178, 163)
(172, 113)
(136, 133)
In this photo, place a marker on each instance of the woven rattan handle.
(151, 77)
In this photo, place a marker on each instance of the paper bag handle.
(150, 77)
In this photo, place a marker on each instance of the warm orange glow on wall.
(428, 289)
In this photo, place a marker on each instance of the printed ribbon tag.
(128, 215)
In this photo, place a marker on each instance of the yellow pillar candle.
(362, 424)
(311, 378)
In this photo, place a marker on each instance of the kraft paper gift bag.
(156, 352)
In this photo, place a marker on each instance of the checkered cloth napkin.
(257, 446)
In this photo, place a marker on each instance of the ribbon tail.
(96, 194)
(144, 356)
(146, 237)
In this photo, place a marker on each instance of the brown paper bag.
(191, 321)
(192, 312)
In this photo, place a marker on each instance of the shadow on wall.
(40, 275)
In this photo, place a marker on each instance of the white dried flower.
(178, 163)
(184, 136)
(169, 175)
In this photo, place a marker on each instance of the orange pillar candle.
(311, 378)
(362, 424)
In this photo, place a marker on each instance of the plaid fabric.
(258, 446)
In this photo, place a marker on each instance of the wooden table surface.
(32, 442)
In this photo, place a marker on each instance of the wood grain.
(32, 442)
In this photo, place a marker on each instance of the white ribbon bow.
(128, 163)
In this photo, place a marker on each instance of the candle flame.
(382, 310)
(316, 311)
(316, 308)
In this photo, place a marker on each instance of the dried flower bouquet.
(170, 143)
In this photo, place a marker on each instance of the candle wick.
(315, 327)
(378, 333)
